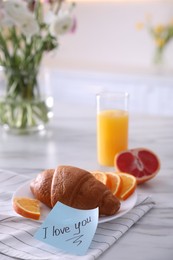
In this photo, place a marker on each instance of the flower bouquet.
(28, 30)
(162, 34)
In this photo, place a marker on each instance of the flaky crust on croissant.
(41, 186)
(76, 188)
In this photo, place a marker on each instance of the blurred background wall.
(107, 40)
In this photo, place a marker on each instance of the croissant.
(41, 187)
(74, 187)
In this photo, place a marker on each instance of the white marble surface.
(71, 139)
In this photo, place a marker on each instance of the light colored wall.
(148, 94)
(107, 40)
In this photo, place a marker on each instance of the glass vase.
(26, 105)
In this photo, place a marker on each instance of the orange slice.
(26, 207)
(113, 182)
(101, 176)
(128, 185)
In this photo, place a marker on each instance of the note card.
(69, 229)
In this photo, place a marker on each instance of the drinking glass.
(112, 125)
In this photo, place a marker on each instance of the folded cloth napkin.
(16, 233)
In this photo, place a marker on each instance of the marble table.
(71, 139)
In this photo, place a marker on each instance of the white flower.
(16, 10)
(1, 15)
(49, 17)
(18, 13)
(4, 20)
(1, 3)
(61, 24)
(29, 27)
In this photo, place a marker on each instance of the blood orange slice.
(140, 162)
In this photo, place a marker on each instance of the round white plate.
(128, 204)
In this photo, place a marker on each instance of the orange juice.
(112, 135)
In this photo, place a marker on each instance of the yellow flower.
(139, 26)
(159, 29)
(171, 22)
(148, 17)
(160, 42)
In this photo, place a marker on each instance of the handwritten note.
(69, 229)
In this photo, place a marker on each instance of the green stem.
(158, 57)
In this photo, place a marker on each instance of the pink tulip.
(1, 15)
(74, 26)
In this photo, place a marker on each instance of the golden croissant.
(74, 187)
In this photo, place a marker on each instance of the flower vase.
(25, 105)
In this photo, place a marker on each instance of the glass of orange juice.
(112, 125)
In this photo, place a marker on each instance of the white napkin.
(16, 233)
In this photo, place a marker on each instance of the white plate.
(24, 191)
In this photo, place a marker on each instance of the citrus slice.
(113, 182)
(128, 185)
(141, 163)
(101, 176)
(26, 207)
